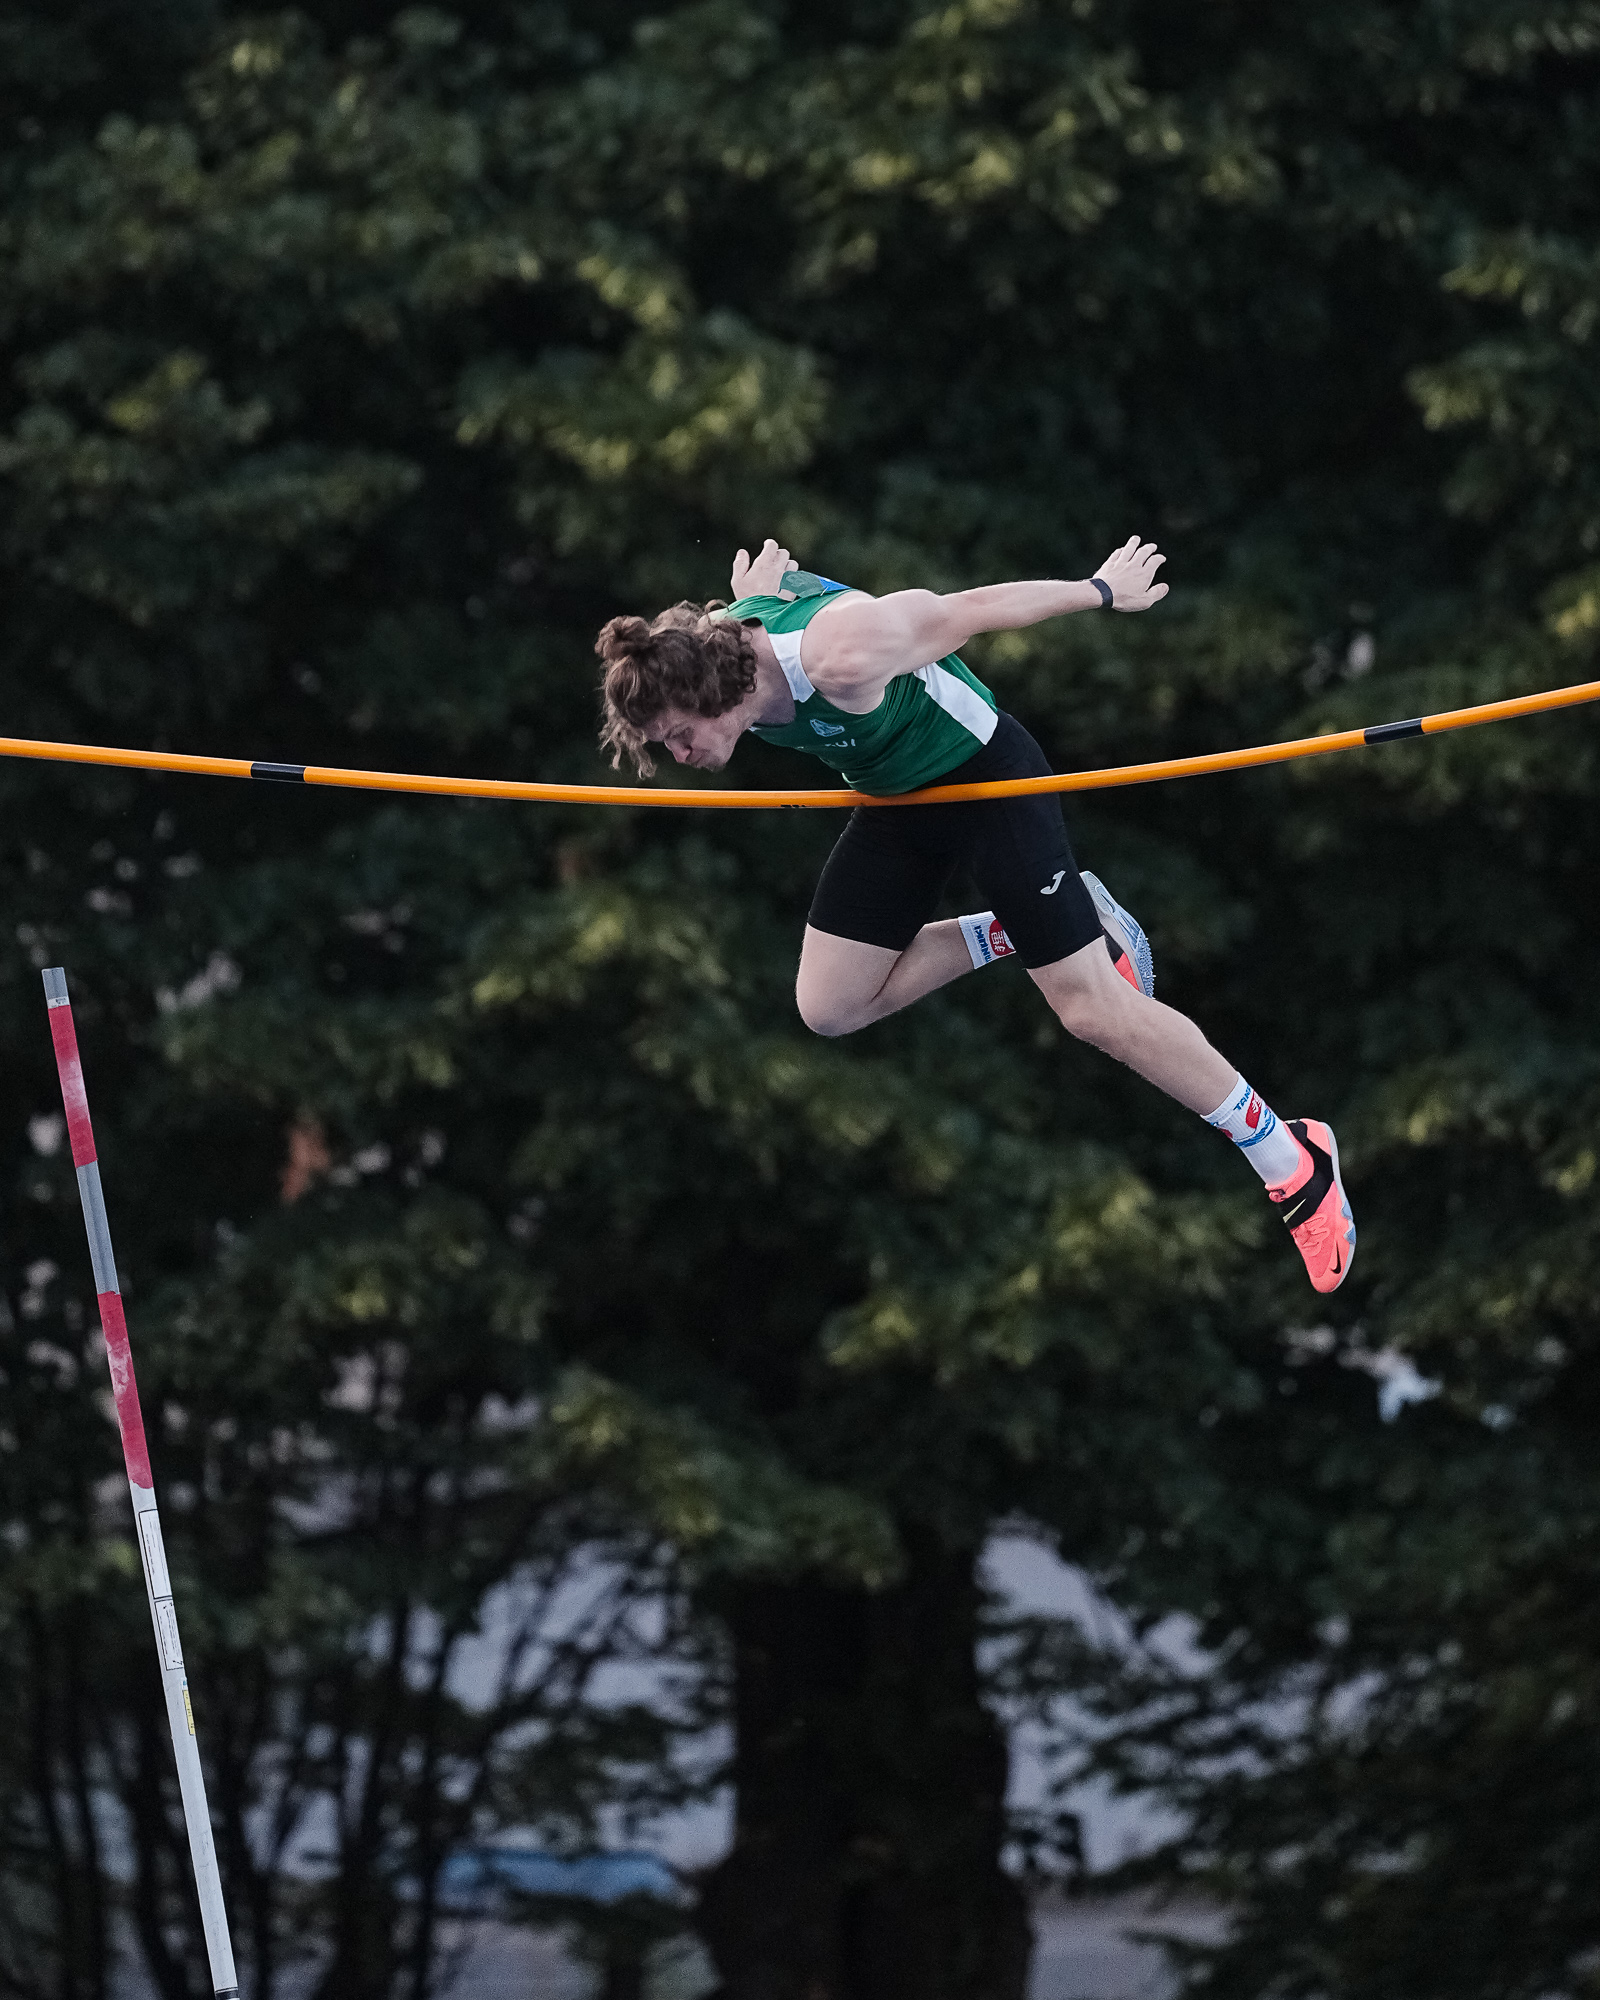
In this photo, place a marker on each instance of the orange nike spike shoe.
(1315, 1207)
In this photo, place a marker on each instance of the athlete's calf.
(1096, 1006)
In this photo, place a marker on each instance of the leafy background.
(493, 1234)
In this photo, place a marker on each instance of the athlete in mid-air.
(875, 688)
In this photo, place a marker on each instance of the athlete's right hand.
(1130, 571)
(763, 577)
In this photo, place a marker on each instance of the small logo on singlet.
(828, 728)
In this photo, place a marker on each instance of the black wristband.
(1104, 589)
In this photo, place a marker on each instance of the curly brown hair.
(684, 658)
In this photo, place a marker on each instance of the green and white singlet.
(927, 723)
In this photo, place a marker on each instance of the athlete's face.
(705, 741)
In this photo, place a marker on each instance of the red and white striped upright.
(191, 1780)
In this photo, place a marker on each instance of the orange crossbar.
(649, 795)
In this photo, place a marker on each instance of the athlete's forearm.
(1127, 574)
(867, 641)
(1006, 607)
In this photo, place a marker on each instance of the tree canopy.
(487, 1218)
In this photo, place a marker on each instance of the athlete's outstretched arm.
(864, 642)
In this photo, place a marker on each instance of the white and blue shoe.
(1126, 934)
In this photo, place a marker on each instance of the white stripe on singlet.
(957, 699)
(787, 647)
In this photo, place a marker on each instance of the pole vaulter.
(876, 689)
(141, 1484)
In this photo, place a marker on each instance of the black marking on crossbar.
(286, 774)
(1390, 732)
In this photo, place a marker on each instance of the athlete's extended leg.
(1299, 1162)
(1164, 1046)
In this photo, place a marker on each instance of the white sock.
(1249, 1121)
(985, 937)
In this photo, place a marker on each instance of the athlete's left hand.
(763, 577)
(1130, 571)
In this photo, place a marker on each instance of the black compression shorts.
(889, 867)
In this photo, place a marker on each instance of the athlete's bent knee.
(1084, 1018)
(1096, 1014)
(827, 1017)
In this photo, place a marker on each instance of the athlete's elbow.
(937, 625)
(917, 625)
(948, 622)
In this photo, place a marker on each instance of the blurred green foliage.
(487, 1218)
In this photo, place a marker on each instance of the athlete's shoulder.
(791, 611)
(839, 645)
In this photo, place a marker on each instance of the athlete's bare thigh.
(839, 977)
